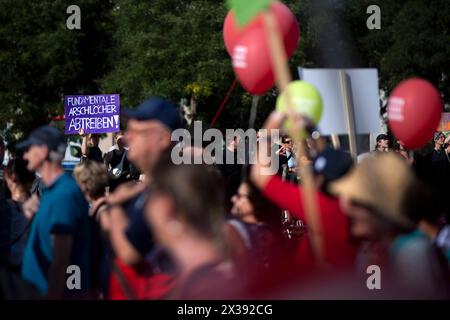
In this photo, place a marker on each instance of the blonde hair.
(93, 178)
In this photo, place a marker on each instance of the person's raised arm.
(123, 249)
(447, 140)
(84, 147)
(283, 194)
(273, 122)
(447, 144)
(115, 223)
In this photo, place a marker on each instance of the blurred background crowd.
(140, 227)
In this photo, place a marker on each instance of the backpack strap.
(126, 287)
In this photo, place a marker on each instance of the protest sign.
(363, 96)
(92, 113)
(445, 122)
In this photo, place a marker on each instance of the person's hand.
(300, 125)
(82, 133)
(281, 151)
(125, 192)
(447, 139)
(31, 206)
(274, 121)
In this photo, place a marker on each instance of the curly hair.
(92, 175)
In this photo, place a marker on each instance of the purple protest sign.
(92, 113)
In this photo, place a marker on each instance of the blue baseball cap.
(156, 109)
(45, 136)
(333, 164)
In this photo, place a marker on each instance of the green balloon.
(306, 100)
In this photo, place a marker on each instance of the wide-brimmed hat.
(381, 182)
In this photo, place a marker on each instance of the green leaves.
(246, 10)
(41, 60)
(413, 41)
(138, 49)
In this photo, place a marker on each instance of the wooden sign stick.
(282, 73)
(335, 141)
(349, 114)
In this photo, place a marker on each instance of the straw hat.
(380, 181)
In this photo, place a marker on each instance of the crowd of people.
(137, 226)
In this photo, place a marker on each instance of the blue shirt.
(62, 210)
(291, 162)
(138, 232)
(141, 238)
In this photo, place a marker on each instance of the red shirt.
(338, 252)
(138, 282)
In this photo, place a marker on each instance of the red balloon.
(287, 23)
(251, 62)
(414, 112)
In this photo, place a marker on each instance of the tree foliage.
(41, 60)
(170, 48)
(175, 49)
(414, 40)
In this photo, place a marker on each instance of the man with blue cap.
(148, 136)
(59, 235)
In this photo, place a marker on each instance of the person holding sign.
(116, 161)
(89, 147)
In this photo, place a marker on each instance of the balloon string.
(224, 102)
